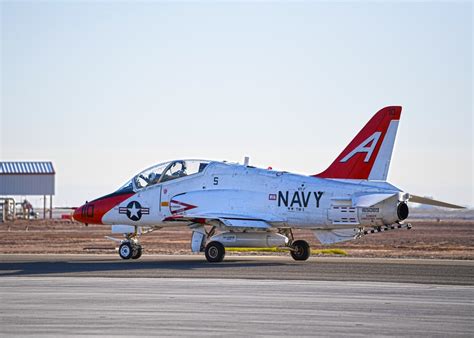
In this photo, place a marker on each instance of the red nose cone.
(92, 212)
(87, 213)
(77, 215)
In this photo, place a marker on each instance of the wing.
(261, 222)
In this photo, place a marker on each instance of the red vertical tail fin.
(368, 155)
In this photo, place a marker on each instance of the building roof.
(26, 168)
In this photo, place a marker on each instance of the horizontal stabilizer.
(335, 236)
(429, 201)
(365, 201)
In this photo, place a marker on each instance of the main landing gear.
(214, 252)
(300, 250)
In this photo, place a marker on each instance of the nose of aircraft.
(78, 214)
(85, 213)
(92, 212)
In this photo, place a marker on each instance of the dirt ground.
(449, 239)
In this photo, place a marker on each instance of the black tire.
(302, 250)
(125, 250)
(215, 252)
(137, 252)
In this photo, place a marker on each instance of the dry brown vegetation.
(450, 239)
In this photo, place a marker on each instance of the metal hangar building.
(28, 179)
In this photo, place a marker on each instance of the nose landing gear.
(128, 250)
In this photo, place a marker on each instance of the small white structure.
(28, 179)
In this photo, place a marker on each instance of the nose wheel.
(137, 252)
(129, 250)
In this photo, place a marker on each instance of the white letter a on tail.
(362, 148)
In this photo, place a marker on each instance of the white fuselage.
(284, 200)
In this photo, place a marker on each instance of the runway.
(428, 271)
(188, 306)
(245, 296)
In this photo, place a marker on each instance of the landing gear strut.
(300, 249)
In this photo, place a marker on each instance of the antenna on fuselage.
(246, 161)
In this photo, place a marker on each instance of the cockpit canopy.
(165, 172)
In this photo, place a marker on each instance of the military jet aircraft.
(237, 205)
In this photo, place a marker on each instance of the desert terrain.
(446, 235)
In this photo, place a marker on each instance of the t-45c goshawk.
(234, 205)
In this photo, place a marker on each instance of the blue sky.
(106, 89)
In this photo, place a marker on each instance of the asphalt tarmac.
(245, 296)
(427, 271)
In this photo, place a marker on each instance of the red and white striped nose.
(92, 212)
